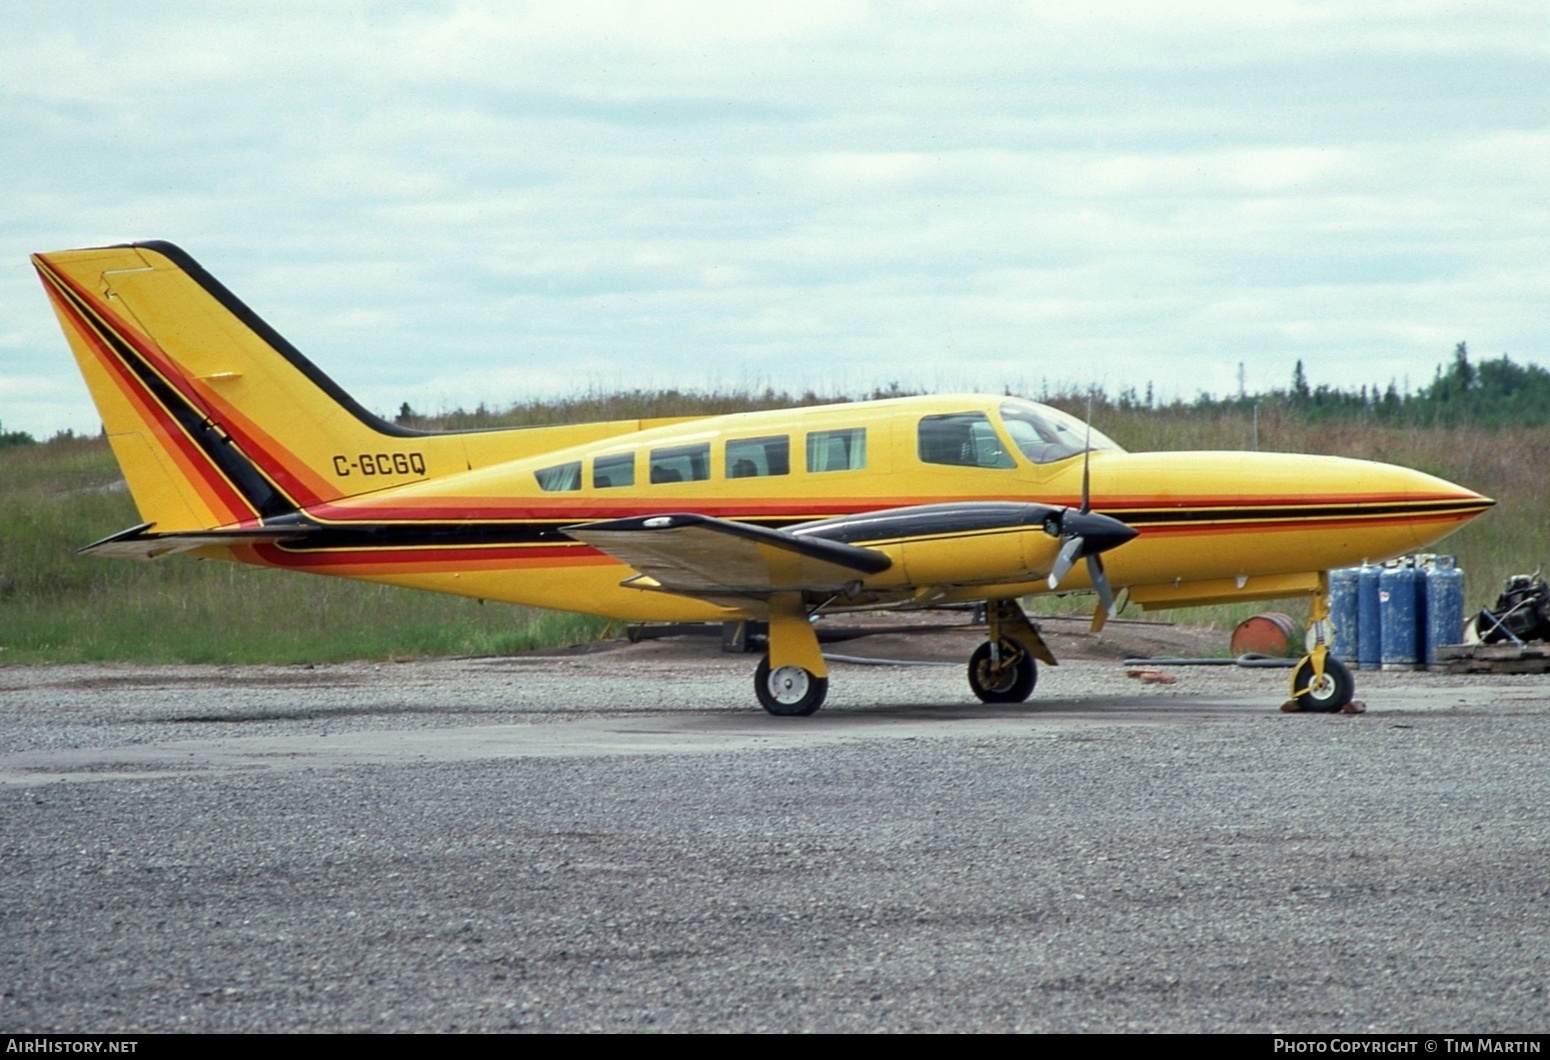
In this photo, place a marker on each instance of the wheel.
(1010, 683)
(788, 691)
(1331, 692)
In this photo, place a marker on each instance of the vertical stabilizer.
(213, 416)
(217, 420)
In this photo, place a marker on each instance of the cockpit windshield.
(1046, 435)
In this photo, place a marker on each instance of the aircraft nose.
(1438, 507)
(1363, 510)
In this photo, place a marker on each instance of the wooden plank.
(1532, 658)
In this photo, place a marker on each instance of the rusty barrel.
(1269, 633)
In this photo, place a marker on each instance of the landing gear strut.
(791, 680)
(1003, 669)
(1321, 683)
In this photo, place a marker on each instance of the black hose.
(1247, 659)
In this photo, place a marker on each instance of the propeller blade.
(1065, 560)
(1100, 582)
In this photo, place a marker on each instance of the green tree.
(1300, 391)
(10, 438)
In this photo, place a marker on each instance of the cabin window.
(680, 463)
(837, 450)
(559, 478)
(1045, 435)
(758, 457)
(616, 470)
(964, 439)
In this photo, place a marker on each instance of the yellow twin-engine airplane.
(237, 447)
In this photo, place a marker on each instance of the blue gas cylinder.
(1444, 608)
(1342, 613)
(1369, 620)
(1397, 598)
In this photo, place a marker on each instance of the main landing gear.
(1321, 683)
(1003, 669)
(792, 679)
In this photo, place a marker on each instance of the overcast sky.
(456, 203)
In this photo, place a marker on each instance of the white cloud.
(453, 203)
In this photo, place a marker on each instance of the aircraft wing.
(698, 555)
(137, 543)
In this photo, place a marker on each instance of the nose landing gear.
(1326, 692)
(1321, 683)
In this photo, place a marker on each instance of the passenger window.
(964, 439)
(681, 463)
(559, 478)
(758, 457)
(616, 470)
(837, 450)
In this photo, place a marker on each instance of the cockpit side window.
(964, 439)
(561, 478)
(1045, 435)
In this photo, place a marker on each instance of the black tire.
(1016, 682)
(1332, 694)
(789, 692)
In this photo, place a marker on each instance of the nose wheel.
(1002, 672)
(788, 691)
(1323, 693)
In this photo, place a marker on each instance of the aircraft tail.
(215, 419)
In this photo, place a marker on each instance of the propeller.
(1085, 535)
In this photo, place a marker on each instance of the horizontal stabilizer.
(136, 543)
(697, 555)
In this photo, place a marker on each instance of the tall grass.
(56, 606)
